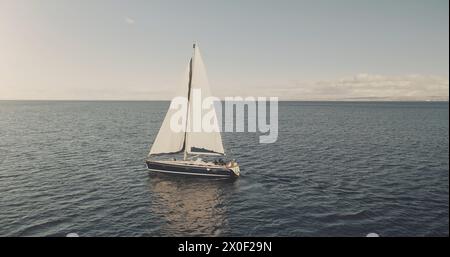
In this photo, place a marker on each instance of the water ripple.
(337, 169)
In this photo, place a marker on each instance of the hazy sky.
(308, 50)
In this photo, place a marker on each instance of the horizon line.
(168, 100)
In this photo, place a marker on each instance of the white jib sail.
(201, 142)
(167, 140)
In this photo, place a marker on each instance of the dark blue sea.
(337, 169)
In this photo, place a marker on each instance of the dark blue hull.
(176, 169)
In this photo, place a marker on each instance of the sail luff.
(191, 66)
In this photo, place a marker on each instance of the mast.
(191, 68)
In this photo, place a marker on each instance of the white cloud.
(129, 20)
(365, 87)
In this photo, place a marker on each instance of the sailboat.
(200, 150)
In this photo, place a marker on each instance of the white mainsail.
(202, 142)
(191, 142)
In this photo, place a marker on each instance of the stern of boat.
(234, 167)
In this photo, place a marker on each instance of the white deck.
(190, 163)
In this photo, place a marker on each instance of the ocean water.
(337, 169)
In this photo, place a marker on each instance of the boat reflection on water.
(190, 206)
